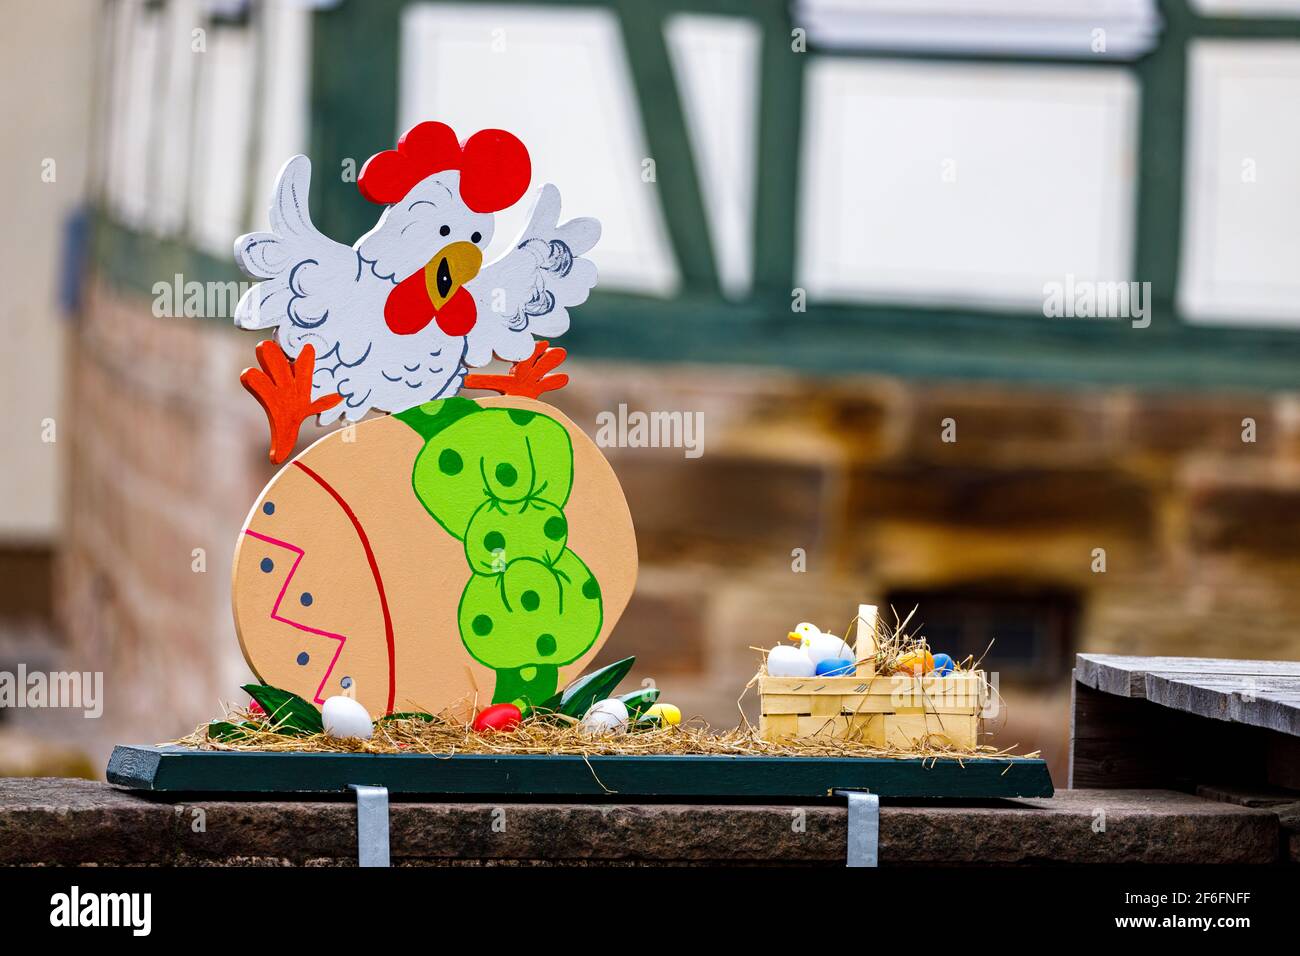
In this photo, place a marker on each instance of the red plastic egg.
(498, 717)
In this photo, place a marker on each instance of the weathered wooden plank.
(179, 769)
(1282, 761)
(1118, 741)
(1126, 676)
(1113, 744)
(1245, 683)
(1244, 702)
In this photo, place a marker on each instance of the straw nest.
(449, 733)
(445, 737)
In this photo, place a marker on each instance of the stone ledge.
(70, 822)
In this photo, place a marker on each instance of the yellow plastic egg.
(669, 716)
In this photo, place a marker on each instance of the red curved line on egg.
(374, 570)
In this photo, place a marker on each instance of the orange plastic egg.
(916, 663)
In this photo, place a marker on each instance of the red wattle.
(408, 309)
(460, 313)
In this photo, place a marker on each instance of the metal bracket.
(372, 825)
(864, 827)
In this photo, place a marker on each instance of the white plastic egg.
(785, 661)
(344, 717)
(605, 717)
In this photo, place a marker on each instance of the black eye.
(445, 231)
(476, 237)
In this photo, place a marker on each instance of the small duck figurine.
(819, 645)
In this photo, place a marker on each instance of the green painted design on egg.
(500, 531)
(498, 480)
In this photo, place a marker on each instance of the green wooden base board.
(183, 770)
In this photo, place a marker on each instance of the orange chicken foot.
(528, 378)
(283, 389)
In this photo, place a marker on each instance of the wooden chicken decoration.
(455, 552)
(399, 317)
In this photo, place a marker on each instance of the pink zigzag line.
(275, 611)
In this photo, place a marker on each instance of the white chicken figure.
(820, 646)
(396, 319)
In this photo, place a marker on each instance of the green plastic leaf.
(639, 701)
(287, 712)
(576, 699)
(224, 730)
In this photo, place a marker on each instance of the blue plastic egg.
(835, 667)
(943, 664)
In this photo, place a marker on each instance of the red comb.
(494, 166)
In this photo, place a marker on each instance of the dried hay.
(449, 734)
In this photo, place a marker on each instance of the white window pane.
(105, 102)
(123, 21)
(1118, 29)
(222, 125)
(137, 97)
(1241, 216)
(558, 79)
(1247, 8)
(966, 184)
(285, 95)
(175, 117)
(716, 63)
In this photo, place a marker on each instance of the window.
(1118, 29)
(1032, 634)
(223, 113)
(1247, 8)
(283, 124)
(172, 128)
(138, 45)
(968, 184)
(716, 63)
(1241, 238)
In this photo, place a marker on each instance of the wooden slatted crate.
(896, 711)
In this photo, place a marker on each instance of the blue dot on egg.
(268, 508)
(303, 658)
(306, 599)
(268, 565)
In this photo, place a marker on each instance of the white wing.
(309, 278)
(528, 291)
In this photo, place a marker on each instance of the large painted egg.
(458, 554)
